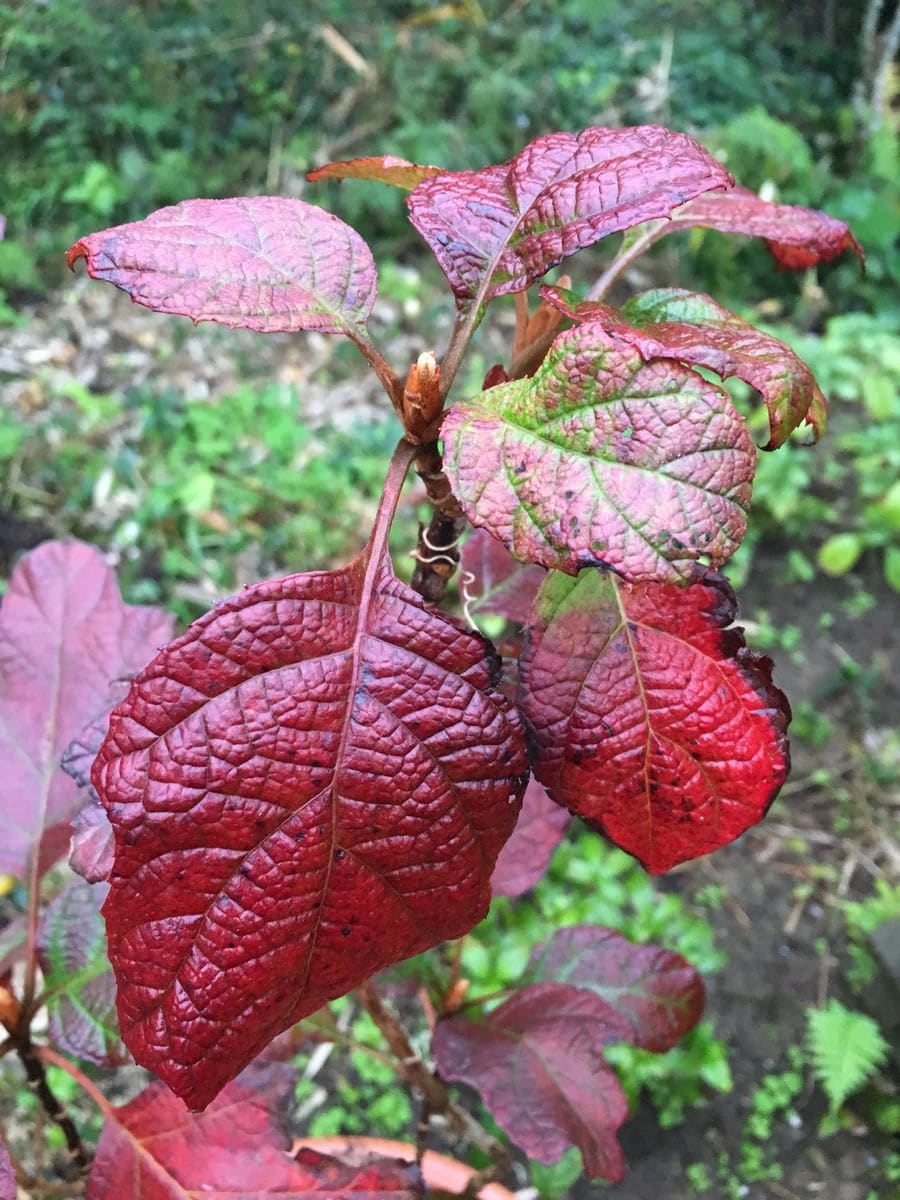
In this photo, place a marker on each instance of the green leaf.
(846, 1048)
(892, 567)
(838, 555)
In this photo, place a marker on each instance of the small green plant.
(846, 1050)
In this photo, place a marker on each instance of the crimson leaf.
(693, 329)
(603, 459)
(252, 262)
(658, 993)
(494, 582)
(152, 1149)
(312, 783)
(496, 230)
(649, 717)
(64, 635)
(526, 856)
(381, 168)
(797, 237)
(7, 1175)
(91, 845)
(537, 1062)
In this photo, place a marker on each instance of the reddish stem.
(50, 1056)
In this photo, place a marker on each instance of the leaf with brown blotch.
(153, 1149)
(312, 783)
(266, 263)
(537, 1063)
(496, 230)
(64, 636)
(494, 582)
(693, 329)
(524, 859)
(380, 168)
(602, 459)
(648, 716)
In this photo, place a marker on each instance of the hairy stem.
(437, 553)
(31, 1057)
(626, 257)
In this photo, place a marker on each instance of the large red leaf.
(382, 168)
(692, 328)
(153, 1149)
(7, 1175)
(603, 459)
(797, 237)
(312, 783)
(658, 993)
(64, 636)
(526, 856)
(496, 230)
(252, 262)
(649, 717)
(494, 582)
(537, 1062)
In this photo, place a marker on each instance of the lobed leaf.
(693, 329)
(658, 993)
(648, 716)
(537, 1063)
(380, 168)
(266, 263)
(524, 859)
(64, 635)
(602, 459)
(311, 784)
(496, 230)
(494, 582)
(81, 993)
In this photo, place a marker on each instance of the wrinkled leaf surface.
(525, 858)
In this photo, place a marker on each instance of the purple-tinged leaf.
(7, 1174)
(254, 262)
(79, 984)
(494, 582)
(525, 858)
(648, 716)
(537, 1062)
(381, 168)
(659, 993)
(496, 230)
(92, 844)
(604, 460)
(64, 636)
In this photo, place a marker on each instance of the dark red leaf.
(537, 1062)
(496, 583)
(252, 262)
(658, 993)
(603, 459)
(693, 329)
(526, 856)
(496, 230)
(154, 1149)
(312, 783)
(382, 168)
(649, 717)
(7, 1175)
(797, 237)
(64, 635)
(81, 992)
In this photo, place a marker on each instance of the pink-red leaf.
(312, 783)
(649, 717)
(7, 1175)
(797, 237)
(92, 846)
(537, 1062)
(253, 262)
(692, 328)
(153, 1149)
(526, 856)
(494, 582)
(603, 459)
(496, 230)
(658, 993)
(381, 168)
(64, 636)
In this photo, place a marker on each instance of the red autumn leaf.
(496, 230)
(309, 785)
(92, 846)
(537, 1062)
(153, 1149)
(797, 237)
(526, 856)
(649, 717)
(692, 328)
(7, 1174)
(381, 168)
(64, 635)
(494, 582)
(78, 981)
(602, 459)
(658, 993)
(252, 262)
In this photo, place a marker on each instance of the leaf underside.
(648, 716)
(493, 581)
(526, 856)
(312, 783)
(379, 168)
